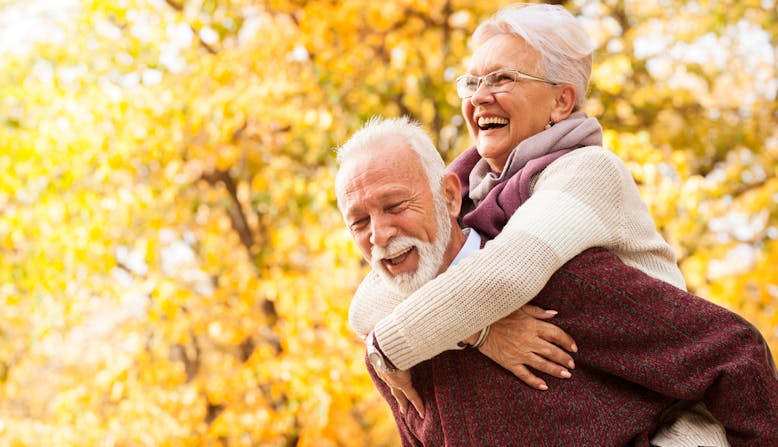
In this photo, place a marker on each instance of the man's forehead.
(384, 166)
(367, 189)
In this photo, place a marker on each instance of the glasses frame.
(519, 75)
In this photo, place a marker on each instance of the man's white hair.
(402, 130)
(564, 46)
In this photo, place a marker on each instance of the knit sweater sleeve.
(372, 301)
(578, 202)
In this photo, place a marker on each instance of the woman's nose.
(481, 95)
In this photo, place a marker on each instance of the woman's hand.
(523, 339)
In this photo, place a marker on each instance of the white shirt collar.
(473, 243)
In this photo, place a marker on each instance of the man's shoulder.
(602, 269)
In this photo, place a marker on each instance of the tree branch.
(237, 216)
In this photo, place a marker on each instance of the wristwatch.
(376, 358)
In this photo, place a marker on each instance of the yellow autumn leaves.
(173, 269)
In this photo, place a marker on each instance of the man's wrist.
(376, 357)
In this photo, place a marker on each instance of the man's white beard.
(430, 254)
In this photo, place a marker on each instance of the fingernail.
(566, 374)
(543, 387)
(574, 348)
(552, 312)
(571, 364)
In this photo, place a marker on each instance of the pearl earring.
(549, 124)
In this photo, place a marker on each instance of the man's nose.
(382, 231)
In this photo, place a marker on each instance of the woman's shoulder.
(590, 160)
(590, 165)
(591, 154)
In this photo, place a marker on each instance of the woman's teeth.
(491, 122)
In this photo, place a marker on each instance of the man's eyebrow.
(392, 195)
(351, 213)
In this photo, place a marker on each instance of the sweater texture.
(661, 350)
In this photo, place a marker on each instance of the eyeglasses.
(498, 81)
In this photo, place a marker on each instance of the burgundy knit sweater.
(644, 345)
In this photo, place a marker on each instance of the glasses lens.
(501, 81)
(466, 86)
(496, 82)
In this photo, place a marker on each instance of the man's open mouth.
(399, 258)
(491, 122)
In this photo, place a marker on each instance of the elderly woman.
(584, 197)
(521, 99)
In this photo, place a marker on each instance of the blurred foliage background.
(173, 270)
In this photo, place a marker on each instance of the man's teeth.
(396, 259)
(491, 120)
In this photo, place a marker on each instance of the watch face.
(377, 361)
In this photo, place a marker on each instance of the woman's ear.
(564, 102)
(452, 193)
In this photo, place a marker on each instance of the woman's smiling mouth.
(492, 122)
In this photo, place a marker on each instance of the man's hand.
(401, 386)
(523, 340)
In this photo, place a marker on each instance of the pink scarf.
(489, 198)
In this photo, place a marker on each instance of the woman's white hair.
(564, 46)
(402, 130)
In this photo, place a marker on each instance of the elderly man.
(646, 347)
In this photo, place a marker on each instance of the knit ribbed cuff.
(401, 349)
